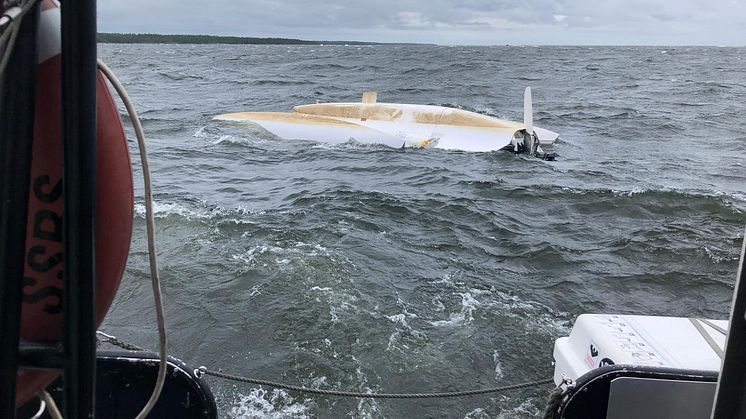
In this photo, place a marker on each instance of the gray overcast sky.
(448, 22)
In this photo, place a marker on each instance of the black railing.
(79, 185)
(77, 354)
(17, 104)
(730, 398)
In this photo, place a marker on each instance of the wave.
(165, 210)
(728, 205)
(282, 82)
(466, 315)
(413, 90)
(339, 302)
(526, 408)
(327, 67)
(181, 76)
(482, 184)
(352, 144)
(233, 140)
(453, 262)
(476, 303)
(693, 104)
(418, 71)
(277, 404)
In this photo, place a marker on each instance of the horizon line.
(365, 42)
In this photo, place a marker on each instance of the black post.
(730, 397)
(17, 108)
(79, 184)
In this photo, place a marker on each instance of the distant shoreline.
(150, 38)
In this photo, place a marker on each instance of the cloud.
(441, 21)
(411, 20)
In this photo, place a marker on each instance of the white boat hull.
(294, 126)
(394, 125)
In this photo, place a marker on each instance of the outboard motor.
(527, 140)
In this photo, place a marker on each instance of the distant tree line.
(151, 38)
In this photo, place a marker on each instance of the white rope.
(42, 408)
(52, 408)
(9, 36)
(13, 30)
(12, 20)
(150, 223)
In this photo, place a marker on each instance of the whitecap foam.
(318, 382)
(498, 365)
(338, 301)
(162, 210)
(526, 409)
(200, 133)
(539, 316)
(260, 404)
(317, 249)
(438, 305)
(394, 339)
(402, 327)
(296, 250)
(250, 257)
(231, 139)
(466, 315)
(718, 257)
(477, 413)
(513, 302)
(165, 209)
(366, 408)
(634, 191)
(446, 279)
(256, 290)
(350, 144)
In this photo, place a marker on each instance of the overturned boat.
(404, 125)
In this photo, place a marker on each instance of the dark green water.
(368, 268)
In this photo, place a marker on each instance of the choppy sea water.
(367, 268)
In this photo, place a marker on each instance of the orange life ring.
(42, 312)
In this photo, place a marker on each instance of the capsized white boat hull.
(428, 115)
(448, 137)
(295, 126)
(394, 125)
